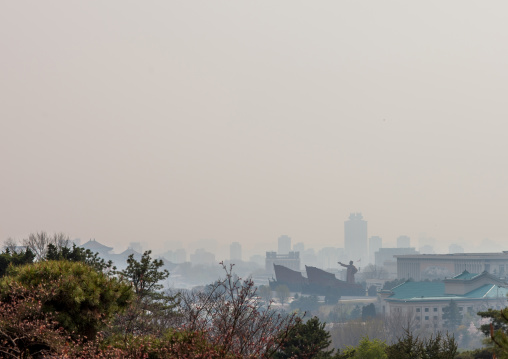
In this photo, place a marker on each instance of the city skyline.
(243, 122)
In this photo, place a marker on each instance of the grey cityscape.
(214, 179)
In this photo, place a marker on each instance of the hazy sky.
(241, 121)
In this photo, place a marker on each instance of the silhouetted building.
(403, 242)
(375, 243)
(235, 252)
(290, 260)
(386, 257)
(329, 256)
(455, 248)
(298, 247)
(440, 266)
(426, 249)
(355, 237)
(284, 245)
(201, 256)
(96, 247)
(136, 246)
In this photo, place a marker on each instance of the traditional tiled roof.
(409, 290)
(95, 246)
(435, 291)
(466, 275)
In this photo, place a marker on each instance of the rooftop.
(496, 255)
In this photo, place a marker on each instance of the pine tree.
(306, 340)
(452, 316)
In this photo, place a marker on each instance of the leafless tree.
(230, 313)
(373, 271)
(10, 244)
(398, 323)
(38, 243)
(350, 333)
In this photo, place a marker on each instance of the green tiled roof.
(487, 291)
(411, 290)
(431, 291)
(465, 275)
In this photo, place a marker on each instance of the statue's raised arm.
(351, 270)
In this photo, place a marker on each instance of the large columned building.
(440, 266)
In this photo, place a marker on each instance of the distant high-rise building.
(290, 260)
(455, 248)
(355, 237)
(426, 249)
(202, 256)
(375, 243)
(299, 247)
(235, 252)
(284, 245)
(403, 242)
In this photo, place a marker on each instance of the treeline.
(63, 301)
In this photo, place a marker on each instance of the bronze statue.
(351, 270)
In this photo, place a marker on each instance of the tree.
(151, 311)
(82, 299)
(38, 243)
(332, 296)
(265, 292)
(11, 245)
(25, 329)
(411, 346)
(9, 257)
(306, 304)
(282, 293)
(452, 316)
(368, 349)
(230, 314)
(497, 330)
(356, 312)
(145, 275)
(306, 340)
(372, 291)
(497, 321)
(77, 254)
(368, 311)
(373, 271)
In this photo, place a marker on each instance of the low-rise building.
(290, 260)
(425, 301)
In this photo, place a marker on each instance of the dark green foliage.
(305, 304)
(411, 346)
(452, 316)
(145, 275)
(77, 254)
(475, 354)
(498, 322)
(497, 331)
(306, 340)
(332, 297)
(372, 291)
(152, 311)
(15, 258)
(82, 298)
(368, 311)
(356, 312)
(366, 349)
